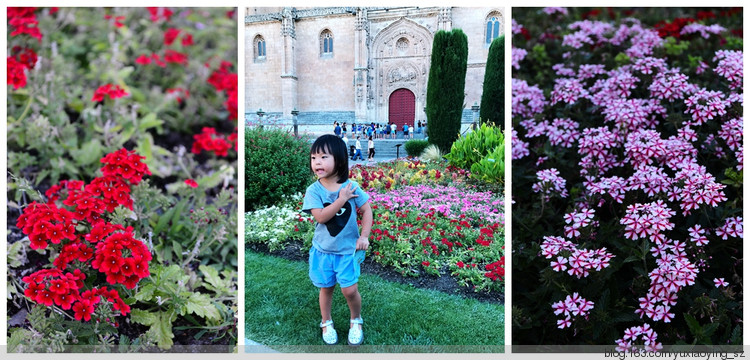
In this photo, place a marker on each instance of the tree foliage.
(493, 94)
(445, 87)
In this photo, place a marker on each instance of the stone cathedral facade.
(356, 64)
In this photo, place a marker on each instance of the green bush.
(445, 87)
(483, 152)
(415, 147)
(276, 163)
(493, 95)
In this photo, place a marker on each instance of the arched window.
(326, 43)
(259, 49)
(493, 27)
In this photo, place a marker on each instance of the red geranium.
(170, 35)
(113, 91)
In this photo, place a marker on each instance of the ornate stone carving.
(401, 74)
(287, 23)
(325, 11)
(262, 18)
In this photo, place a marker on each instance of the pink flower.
(720, 282)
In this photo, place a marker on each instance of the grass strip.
(282, 312)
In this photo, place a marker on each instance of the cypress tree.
(445, 87)
(493, 94)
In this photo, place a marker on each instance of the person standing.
(393, 131)
(343, 131)
(336, 129)
(411, 131)
(358, 150)
(371, 148)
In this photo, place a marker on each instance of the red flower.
(159, 13)
(25, 56)
(16, 73)
(158, 61)
(460, 264)
(191, 183)
(170, 35)
(83, 310)
(175, 57)
(23, 21)
(187, 40)
(425, 263)
(117, 20)
(208, 140)
(127, 164)
(113, 91)
(143, 60)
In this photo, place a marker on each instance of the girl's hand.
(347, 192)
(362, 243)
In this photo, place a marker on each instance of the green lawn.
(282, 312)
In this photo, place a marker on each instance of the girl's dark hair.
(334, 146)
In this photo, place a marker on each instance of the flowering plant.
(627, 158)
(141, 252)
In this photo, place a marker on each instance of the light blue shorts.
(328, 269)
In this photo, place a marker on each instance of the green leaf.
(200, 304)
(693, 325)
(143, 317)
(149, 121)
(145, 292)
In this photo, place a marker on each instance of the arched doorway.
(401, 108)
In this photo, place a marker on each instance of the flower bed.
(627, 177)
(122, 168)
(428, 227)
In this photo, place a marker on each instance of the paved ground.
(254, 347)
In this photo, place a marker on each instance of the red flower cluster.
(496, 270)
(673, 28)
(171, 35)
(122, 258)
(46, 222)
(223, 80)
(210, 141)
(16, 73)
(125, 163)
(52, 286)
(113, 91)
(191, 183)
(117, 20)
(145, 60)
(23, 21)
(175, 57)
(158, 13)
(117, 253)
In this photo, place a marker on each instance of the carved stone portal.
(401, 58)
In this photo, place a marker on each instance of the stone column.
(288, 65)
(361, 58)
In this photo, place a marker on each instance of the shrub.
(415, 147)
(481, 151)
(492, 109)
(445, 87)
(276, 163)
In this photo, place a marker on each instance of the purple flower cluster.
(649, 122)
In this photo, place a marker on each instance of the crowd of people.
(372, 132)
(377, 130)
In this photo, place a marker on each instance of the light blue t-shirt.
(339, 235)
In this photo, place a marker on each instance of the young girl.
(333, 200)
